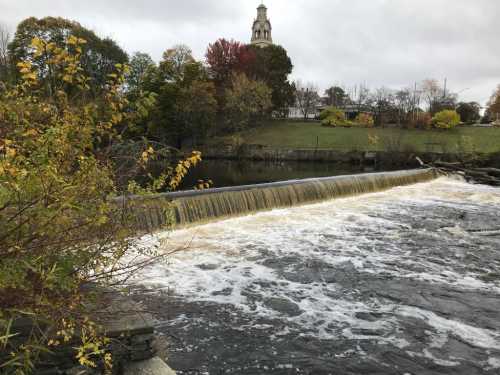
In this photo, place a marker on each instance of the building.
(261, 29)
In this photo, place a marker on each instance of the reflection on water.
(403, 281)
(246, 172)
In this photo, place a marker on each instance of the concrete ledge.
(153, 366)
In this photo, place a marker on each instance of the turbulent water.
(215, 204)
(406, 281)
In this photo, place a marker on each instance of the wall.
(379, 158)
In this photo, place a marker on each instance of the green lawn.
(283, 134)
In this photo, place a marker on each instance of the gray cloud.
(393, 43)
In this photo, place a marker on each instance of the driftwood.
(486, 176)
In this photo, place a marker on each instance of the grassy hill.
(300, 135)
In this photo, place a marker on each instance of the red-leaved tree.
(226, 57)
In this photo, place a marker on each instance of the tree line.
(235, 87)
(412, 107)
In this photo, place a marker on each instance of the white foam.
(493, 363)
(427, 354)
(225, 261)
(479, 337)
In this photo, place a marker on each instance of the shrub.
(332, 116)
(365, 120)
(421, 121)
(446, 119)
(60, 230)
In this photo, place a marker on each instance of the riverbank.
(311, 135)
(384, 148)
(381, 159)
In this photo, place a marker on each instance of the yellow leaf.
(31, 132)
(11, 152)
(72, 40)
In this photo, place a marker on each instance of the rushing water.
(404, 281)
(199, 206)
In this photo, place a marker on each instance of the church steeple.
(261, 30)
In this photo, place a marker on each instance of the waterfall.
(189, 207)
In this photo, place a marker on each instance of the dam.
(199, 206)
(383, 273)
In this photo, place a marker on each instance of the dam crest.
(200, 206)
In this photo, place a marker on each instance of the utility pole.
(414, 109)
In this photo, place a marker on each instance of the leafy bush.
(332, 116)
(446, 119)
(365, 120)
(421, 121)
(60, 229)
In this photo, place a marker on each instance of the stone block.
(153, 366)
(141, 355)
(139, 339)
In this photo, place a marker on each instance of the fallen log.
(486, 176)
(491, 171)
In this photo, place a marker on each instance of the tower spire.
(261, 29)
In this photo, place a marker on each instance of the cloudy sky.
(391, 43)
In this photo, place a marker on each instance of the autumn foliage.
(225, 57)
(446, 119)
(61, 229)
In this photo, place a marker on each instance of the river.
(225, 173)
(404, 281)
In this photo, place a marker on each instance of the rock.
(207, 267)
(368, 316)
(140, 339)
(141, 355)
(80, 370)
(283, 305)
(223, 292)
(129, 324)
(153, 366)
(367, 332)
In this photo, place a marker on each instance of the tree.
(493, 106)
(383, 105)
(469, 112)
(432, 92)
(447, 102)
(61, 231)
(185, 98)
(446, 119)
(247, 101)
(98, 56)
(225, 58)
(176, 61)
(437, 97)
(421, 120)
(307, 98)
(336, 96)
(187, 95)
(404, 104)
(196, 110)
(272, 65)
(4, 53)
(141, 64)
(362, 97)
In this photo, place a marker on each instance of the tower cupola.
(261, 29)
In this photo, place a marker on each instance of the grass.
(306, 135)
